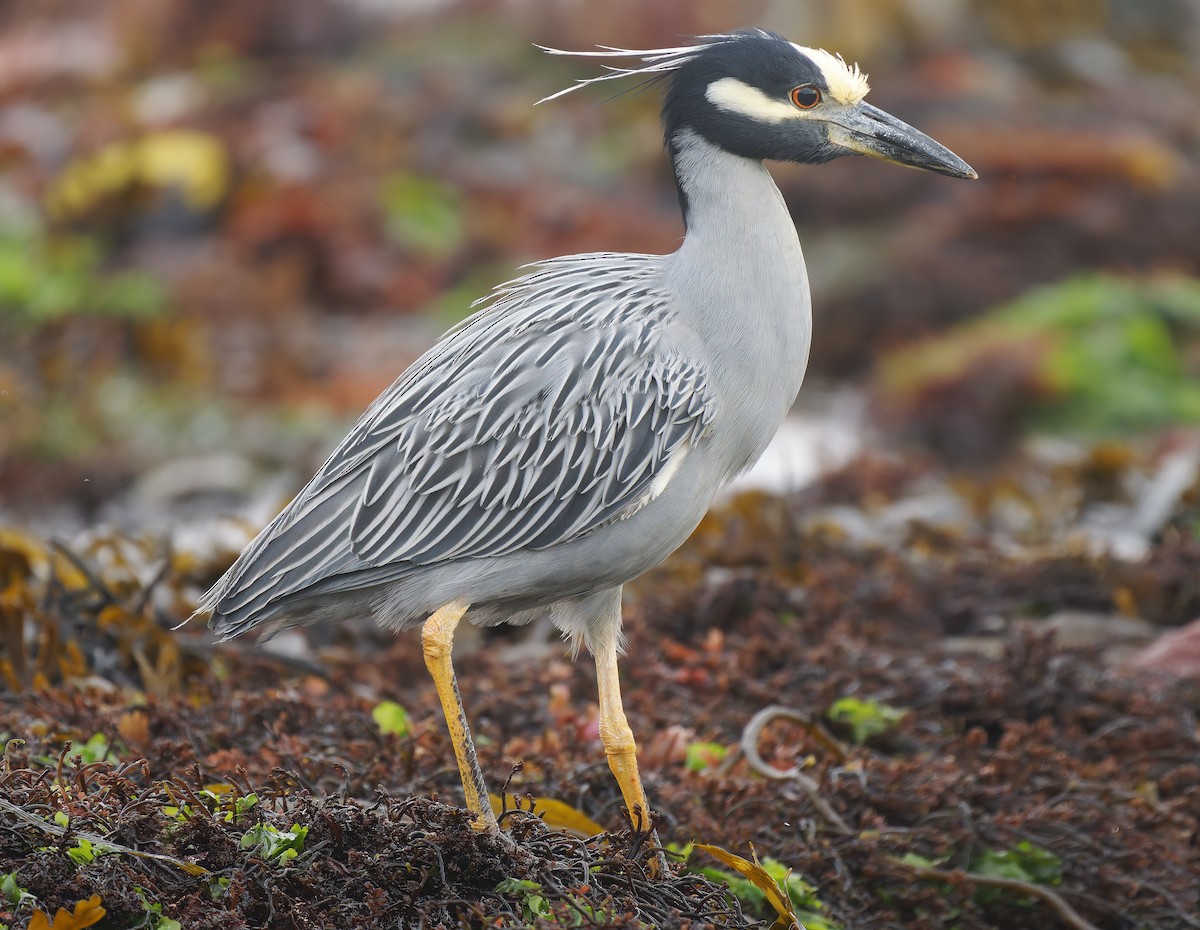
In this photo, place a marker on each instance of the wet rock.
(1175, 653)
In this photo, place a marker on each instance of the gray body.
(571, 434)
(728, 321)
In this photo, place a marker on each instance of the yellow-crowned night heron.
(570, 434)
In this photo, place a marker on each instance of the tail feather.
(301, 547)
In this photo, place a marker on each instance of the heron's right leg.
(617, 738)
(621, 749)
(437, 640)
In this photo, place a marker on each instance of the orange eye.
(805, 96)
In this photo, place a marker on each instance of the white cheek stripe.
(738, 97)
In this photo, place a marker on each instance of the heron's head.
(757, 95)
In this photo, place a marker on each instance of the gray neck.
(741, 247)
(743, 288)
(717, 186)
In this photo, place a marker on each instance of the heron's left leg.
(437, 641)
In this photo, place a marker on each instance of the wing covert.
(557, 428)
(564, 404)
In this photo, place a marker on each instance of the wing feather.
(550, 412)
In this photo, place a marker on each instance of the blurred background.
(225, 226)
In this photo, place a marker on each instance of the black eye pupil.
(806, 96)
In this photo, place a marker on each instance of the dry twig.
(749, 746)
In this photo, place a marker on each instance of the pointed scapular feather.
(495, 440)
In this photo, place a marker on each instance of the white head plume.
(654, 61)
(846, 82)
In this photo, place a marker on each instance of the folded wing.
(558, 408)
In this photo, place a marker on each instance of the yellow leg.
(437, 640)
(617, 738)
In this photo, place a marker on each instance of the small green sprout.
(154, 915)
(864, 718)
(225, 805)
(391, 718)
(702, 756)
(533, 903)
(917, 861)
(96, 749)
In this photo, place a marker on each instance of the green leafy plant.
(96, 749)
(226, 805)
(422, 214)
(1097, 354)
(46, 278)
(277, 846)
(242, 804)
(864, 719)
(918, 861)
(533, 902)
(84, 852)
(536, 906)
(155, 920)
(1024, 862)
(12, 891)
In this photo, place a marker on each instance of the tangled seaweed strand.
(410, 862)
